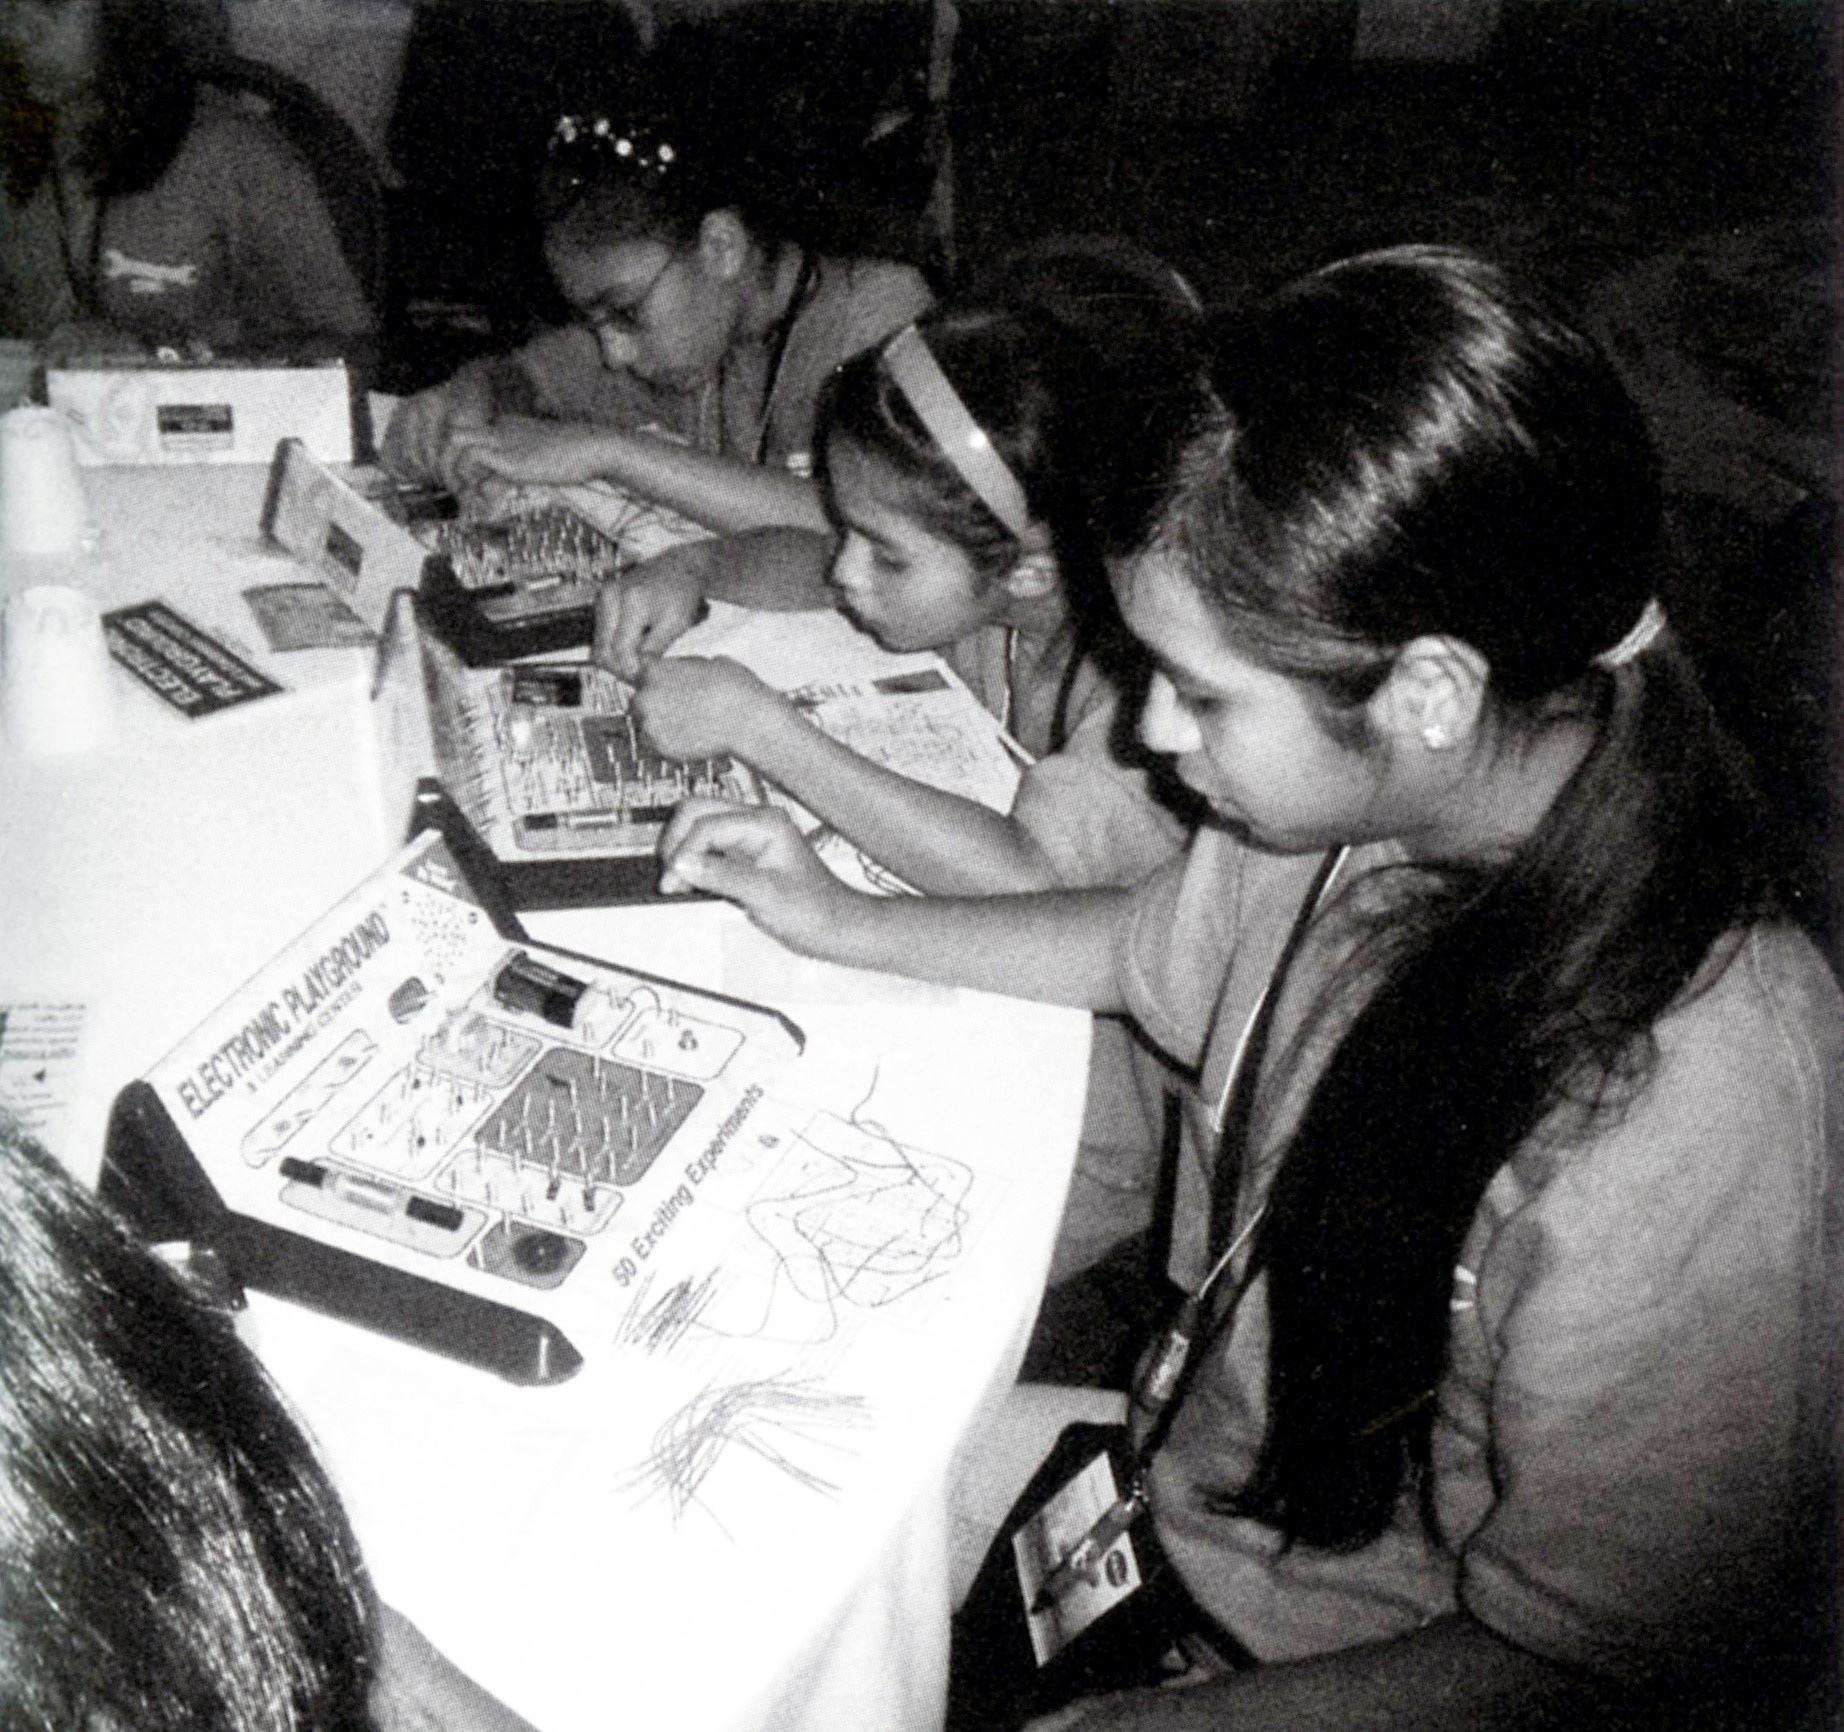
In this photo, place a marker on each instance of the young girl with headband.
(958, 460)
(1516, 1105)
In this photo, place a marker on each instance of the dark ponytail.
(1531, 1001)
(1412, 446)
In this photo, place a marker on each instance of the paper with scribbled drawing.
(840, 1219)
(836, 1223)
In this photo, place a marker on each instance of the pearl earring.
(1435, 737)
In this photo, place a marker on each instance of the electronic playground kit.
(420, 1121)
(548, 764)
(351, 542)
(546, 760)
(523, 580)
(519, 585)
(157, 411)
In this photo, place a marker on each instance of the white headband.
(1637, 641)
(914, 370)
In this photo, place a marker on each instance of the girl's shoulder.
(1739, 1085)
(233, 129)
(1764, 991)
(868, 298)
(864, 274)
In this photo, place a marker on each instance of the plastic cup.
(57, 690)
(42, 504)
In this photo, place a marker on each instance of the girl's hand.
(419, 1689)
(640, 612)
(417, 442)
(703, 706)
(518, 448)
(754, 856)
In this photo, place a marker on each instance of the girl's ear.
(723, 245)
(1434, 697)
(1035, 574)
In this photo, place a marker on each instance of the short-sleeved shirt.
(1096, 817)
(1631, 1425)
(759, 410)
(232, 246)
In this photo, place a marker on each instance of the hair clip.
(634, 148)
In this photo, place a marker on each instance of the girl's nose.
(1166, 726)
(851, 567)
(617, 348)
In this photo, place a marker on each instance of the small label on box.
(202, 414)
(195, 426)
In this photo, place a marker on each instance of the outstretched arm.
(693, 707)
(419, 1689)
(643, 610)
(1057, 947)
(1453, 1675)
(722, 493)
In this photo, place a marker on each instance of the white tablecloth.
(533, 1534)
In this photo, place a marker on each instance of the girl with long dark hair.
(1511, 1392)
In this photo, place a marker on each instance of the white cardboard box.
(206, 414)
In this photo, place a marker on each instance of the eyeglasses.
(626, 320)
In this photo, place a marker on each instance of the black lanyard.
(778, 349)
(82, 278)
(1180, 1350)
(1065, 691)
(1173, 1363)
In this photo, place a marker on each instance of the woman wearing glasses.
(701, 340)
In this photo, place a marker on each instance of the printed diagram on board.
(550, 761)
(410, 1085)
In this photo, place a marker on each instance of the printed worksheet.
(922, 723)
(925, 725)
(40, 1045)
